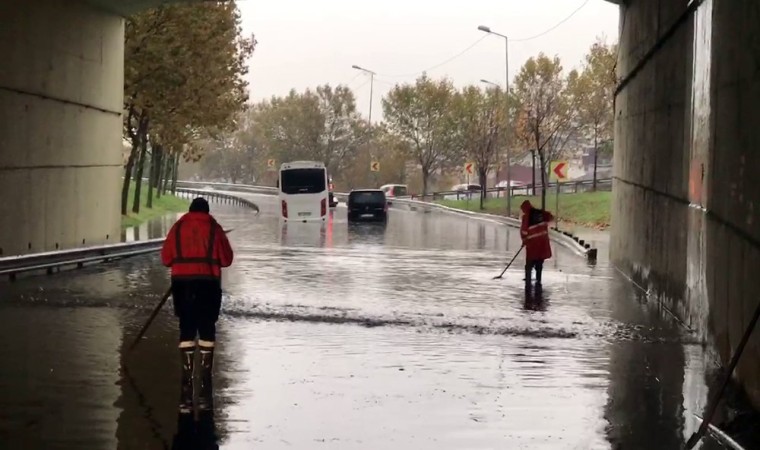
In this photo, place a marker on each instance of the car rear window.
(367, 197)
(399, 191)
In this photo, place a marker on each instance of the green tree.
(547, 117)
(595, 91)
(387, 149)
(231, 156)
(422, 115)
(321, 125)
(184, 67)
(481, 122)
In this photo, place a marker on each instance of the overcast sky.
(304, 43)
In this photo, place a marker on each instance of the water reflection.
(645, 393)
(195, 434)
(152, 229)
(535, 299)
(150, 389)
(359, 336)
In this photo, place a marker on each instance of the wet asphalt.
(349, 336)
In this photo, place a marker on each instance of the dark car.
(366, 204)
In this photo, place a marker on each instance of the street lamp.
(488, 30)
(371, 90)
(491, 83)
(371, 87)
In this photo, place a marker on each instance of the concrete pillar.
(733, 183)
(686, 214)
(61, 95)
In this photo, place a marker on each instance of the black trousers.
(538, 264)
(197, 304)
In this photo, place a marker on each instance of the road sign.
(469, 168)
(271, 163)
(374, 166)
(558, 170)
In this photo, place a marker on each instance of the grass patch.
(591, 209)
(167, 204)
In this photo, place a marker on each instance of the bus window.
(303, 181)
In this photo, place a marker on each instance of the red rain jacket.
(196, 248)
(535, 232)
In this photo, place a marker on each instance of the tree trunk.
(139, 161)
(533, 174)
(154, 152)
(542, 161)
(425, 177)
(139, 173)
(175, 172)
(596, 154)
(128, 177)
(161, 169)
(167, 172)
(483, 176)
(132, 160)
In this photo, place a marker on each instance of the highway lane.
(355, 336)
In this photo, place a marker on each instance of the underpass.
(356, 336)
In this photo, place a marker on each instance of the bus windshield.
(303, 181)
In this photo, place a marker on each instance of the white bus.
(304, 192)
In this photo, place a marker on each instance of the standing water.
(350, 336)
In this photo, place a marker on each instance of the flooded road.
(355, 336)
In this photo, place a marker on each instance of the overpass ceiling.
(129, 7)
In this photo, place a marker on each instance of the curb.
(577, 245)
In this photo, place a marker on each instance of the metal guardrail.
(54, 261)
(218, 196)
(228, 186)
(78, 257)
(566, 187)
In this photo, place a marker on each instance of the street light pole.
(498, 89)
(371, 92)
(371, 87)
(506, 112)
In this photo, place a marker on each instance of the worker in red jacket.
(196, 249)
(534, 231)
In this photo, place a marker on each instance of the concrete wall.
(61, 93)
(686, 209)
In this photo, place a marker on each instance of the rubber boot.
(539, 270)
(528, 275)
(206, 393)
(186, 387)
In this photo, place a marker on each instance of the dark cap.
(199, 204)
